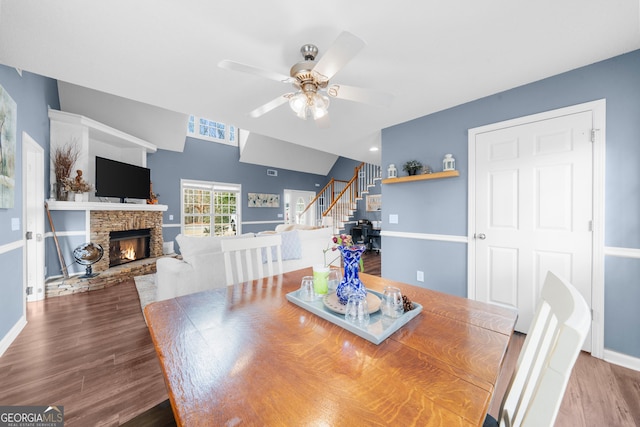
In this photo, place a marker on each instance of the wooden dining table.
(245, 355)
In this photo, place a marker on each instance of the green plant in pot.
(412, 167)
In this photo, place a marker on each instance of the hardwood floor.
(372, 262)
(93, 354)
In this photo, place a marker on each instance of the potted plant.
(412, 167)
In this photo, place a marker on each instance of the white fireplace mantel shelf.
(103, 206)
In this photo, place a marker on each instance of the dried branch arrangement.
(64, 158)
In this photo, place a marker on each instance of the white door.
(534, 210)
(296, 201)
(33, 211)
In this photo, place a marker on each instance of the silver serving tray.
(379, 329)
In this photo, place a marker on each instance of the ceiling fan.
(311, 79)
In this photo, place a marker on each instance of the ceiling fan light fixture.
(319, 105)
(309, 104)
(298, 104)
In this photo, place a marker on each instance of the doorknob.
(29, 235)
(481, 236)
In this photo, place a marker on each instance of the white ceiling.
(155, 62)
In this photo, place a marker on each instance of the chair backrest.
(247, 257)
(549, 352)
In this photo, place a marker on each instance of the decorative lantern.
(392, 172)
(449, 163)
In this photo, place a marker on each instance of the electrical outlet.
(420, 276)
(170, 217)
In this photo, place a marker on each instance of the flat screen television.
(122, 180)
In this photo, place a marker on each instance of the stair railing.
(340, 207)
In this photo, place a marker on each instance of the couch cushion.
(291, 246)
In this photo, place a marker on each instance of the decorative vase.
(61, 193)
(350, 283)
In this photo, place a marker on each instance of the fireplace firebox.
(129, 245)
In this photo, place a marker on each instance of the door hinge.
(594, 133)
(590, 225)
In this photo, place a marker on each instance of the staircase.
(338, 200)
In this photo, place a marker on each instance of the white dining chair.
(549, 352)
(245, 259)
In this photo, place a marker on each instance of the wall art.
(260, 200)
(8, 130)
(374, 202)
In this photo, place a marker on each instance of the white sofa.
(202, 263)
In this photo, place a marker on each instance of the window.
(210, 130)
(210, 208)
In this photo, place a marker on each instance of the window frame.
(213, 187)
(231, 132)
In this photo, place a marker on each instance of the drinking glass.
(307, 293)
(357, 310)
(321, 279)
(334, 279)
(392, 305)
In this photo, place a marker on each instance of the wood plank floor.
(93, 354)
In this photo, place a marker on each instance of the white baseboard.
(12, 334)
(622, 360)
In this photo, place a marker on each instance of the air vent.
(272, 172)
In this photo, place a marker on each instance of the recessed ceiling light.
(373, 149)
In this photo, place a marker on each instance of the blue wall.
(32, 95)
(440, 207)
(207, 161)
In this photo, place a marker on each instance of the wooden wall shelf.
(409, 178)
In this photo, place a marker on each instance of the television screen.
(118, 179)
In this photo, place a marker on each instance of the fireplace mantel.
(103, 206)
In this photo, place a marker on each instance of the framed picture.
(260, 200)
(374, 202)
(8, 129)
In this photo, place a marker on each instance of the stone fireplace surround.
(104, 222)
(103, 218)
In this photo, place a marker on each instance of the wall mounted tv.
(118, 179)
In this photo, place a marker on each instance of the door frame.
(288, 193)
(33, 261)
(598, 109)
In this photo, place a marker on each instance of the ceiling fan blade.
(343, 49)
(366, 96)
(274, 103)
(250, 69)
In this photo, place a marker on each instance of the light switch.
(393, 219)
(15, 224)
(280, 215)
(170, 217)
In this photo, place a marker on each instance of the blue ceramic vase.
(350, 283)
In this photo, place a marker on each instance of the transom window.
(211, 130)
(210, 208)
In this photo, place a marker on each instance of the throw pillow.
(291, 247)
